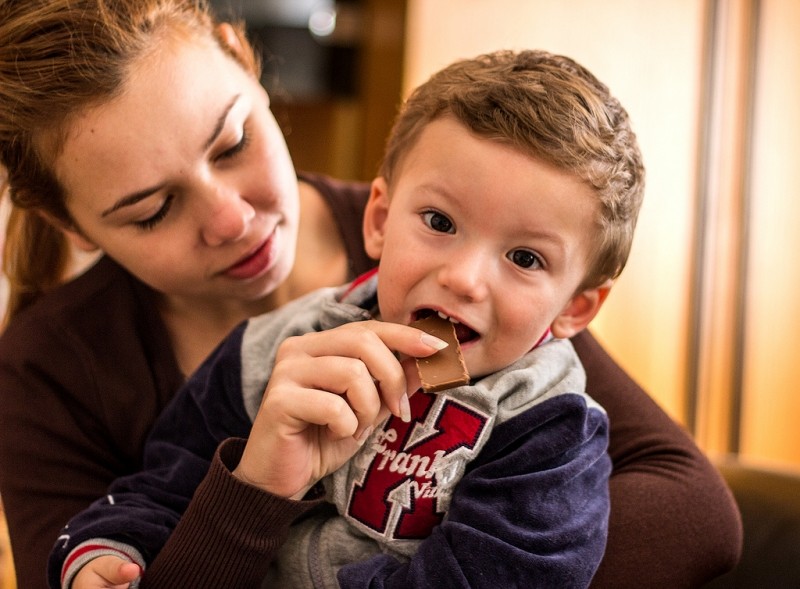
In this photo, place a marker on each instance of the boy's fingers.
(361, 336)
(108, 571)
(311, 406)
(128, 571)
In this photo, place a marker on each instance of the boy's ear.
(375, 215)
(74, 236)
(580, 310)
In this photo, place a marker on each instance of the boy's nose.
(465, 275)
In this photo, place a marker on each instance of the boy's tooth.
(446, 317)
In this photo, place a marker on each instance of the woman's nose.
(227, 217)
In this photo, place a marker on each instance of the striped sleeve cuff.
(91, 549)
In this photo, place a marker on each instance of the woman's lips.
(254, 264)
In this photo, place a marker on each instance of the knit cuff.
(87, 551)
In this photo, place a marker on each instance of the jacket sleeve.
(142, 509)
(531, 511)
(674, 523)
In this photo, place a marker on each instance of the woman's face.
(185, 179)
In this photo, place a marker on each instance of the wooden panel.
(344, 137)
(312, 129)
(723, 199)
(381, 78)
(649, 54)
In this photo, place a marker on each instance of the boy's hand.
(106, 572)
(327, 391)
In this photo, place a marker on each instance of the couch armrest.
(769, 501)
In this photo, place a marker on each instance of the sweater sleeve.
(228, 535)
(674, 523)
(531, 511)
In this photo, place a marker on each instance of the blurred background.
(704, 316)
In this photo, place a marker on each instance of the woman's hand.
(327, 392)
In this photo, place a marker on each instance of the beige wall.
(771, 403)
(694, 133)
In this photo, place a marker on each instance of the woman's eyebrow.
(135, 197)
(220, 123)
(131, 199)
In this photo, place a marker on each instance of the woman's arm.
(228, 535)
(78, 394)
(674, 523)
(142, 509)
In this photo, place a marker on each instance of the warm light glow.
(322, 23)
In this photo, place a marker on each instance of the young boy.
(507, 201)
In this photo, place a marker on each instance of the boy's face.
(493, 238)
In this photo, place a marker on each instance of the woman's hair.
(57, 59)
(552, 108)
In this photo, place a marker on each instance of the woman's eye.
(438, 222)
(159, 215)
(236, 149)
(525, 259)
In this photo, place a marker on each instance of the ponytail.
(35, 258)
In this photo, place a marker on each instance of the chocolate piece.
(445, 369)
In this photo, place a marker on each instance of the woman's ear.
(73, 235)
(375, 215)
(231, 40)
(79, 241)
(227, 34)
(580, 310)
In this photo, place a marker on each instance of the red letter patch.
(415, 466)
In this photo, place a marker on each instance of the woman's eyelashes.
(153, 220)
(158, 216)
(239, 147)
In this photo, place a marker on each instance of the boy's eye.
(438, 222)
(525, 259)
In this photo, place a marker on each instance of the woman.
(138, 128)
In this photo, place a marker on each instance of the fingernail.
(405, 409)
(433, 341)
(365, 435)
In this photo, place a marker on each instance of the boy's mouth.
(464, 332)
